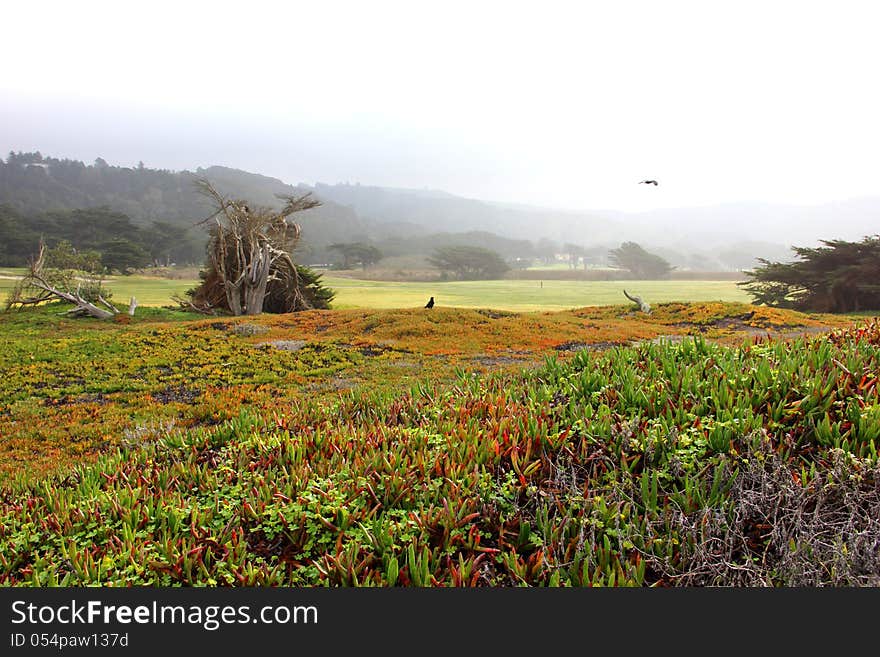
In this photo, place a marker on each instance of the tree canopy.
(838, 277)
(639, 262)
(468, 262)
(120, 243)
(357, 253)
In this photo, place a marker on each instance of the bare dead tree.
(40, 286)
(249, 256)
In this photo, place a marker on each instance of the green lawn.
(502, 294)
(148, 290)
(525, 295)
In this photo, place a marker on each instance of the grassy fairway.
(148, 290)
(524, 296)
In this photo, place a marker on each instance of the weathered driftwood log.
(644, 306)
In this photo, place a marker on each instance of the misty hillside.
(698, 237)
(32, 184)
(440, 211)
(722, 237)
(328, 223)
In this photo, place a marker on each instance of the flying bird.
(430, 303)
(649, 182)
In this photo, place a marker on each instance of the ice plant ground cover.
(706, 443)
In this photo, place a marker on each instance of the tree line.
(34, 186)
(839, 276)
(120, 244)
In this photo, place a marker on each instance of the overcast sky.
(549, 103)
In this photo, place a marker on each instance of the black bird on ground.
(649, 182)
(430, 303)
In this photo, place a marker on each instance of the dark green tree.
(86, 228)
(17, 239)
(123, 255)
(640, 263)
(168, 243)
(838, 277)
(468, 262)
(95, 229)
(357, 253)
(313, 291)
(64, 256)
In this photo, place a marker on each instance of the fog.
(558, 105)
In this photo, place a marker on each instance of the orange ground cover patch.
(71, 389)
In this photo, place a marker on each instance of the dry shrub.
(778, 531)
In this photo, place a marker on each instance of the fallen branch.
(113, 309)
(48, 291)
(81, 304)
(189, 305)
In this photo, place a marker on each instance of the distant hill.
(728, 236)
(440, 211)
(329, 223)
(725, 236)
(32, 184)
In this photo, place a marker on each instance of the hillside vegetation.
(42, 195)
(703, 444)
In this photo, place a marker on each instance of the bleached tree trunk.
(257, 281)
(644, 306)
(233, 297)
(249, 248)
